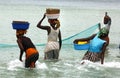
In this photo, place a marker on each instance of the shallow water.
(68, 65)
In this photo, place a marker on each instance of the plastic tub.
(20, 25)
(81, 45)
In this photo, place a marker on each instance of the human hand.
(58, 23)
(21, 60)
(75, 41)
(106, 18)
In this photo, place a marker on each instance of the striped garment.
(92, 56)
(51, 45)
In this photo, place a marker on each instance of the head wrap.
(103, 32)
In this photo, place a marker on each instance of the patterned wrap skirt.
(92, 56)
(52, 50)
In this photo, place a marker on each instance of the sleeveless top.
(52, 43)
(53, 35)
(96, 44)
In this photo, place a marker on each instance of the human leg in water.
(30, 61)
(53, 54)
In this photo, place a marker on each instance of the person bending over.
(25, 44)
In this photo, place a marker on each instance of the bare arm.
(21, 49)
(60, 39)
(84, 39)
(107, 19)
(43, 27)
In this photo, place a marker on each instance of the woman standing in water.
(53, 46)
(25, 44)
(98, 43)
(97, 47)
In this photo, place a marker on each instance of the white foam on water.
(56, 69)
(14, 65)
(112, 64)
(97, 65)
(41, 65)
(67, 64)
(85, 65)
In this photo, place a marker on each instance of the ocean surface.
(75, 16)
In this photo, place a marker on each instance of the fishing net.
(87, 32)
(67, 41)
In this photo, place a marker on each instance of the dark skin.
(20, 44)
(53, 23)
(103, 52)
(21, 48)
(107, 19)
(84, 39)
(90, 38)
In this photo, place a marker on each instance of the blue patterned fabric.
(96, 44)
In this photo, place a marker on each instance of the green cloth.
(103, 32)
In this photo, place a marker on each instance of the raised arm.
(107, 19)
(40, 22)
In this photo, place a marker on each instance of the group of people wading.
(54, 41)
(98, 42)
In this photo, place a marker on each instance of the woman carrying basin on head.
(54, 41)
(25, 44)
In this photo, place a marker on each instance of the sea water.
(75, 16)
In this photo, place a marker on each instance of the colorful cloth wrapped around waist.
(30, 52)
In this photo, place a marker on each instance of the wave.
(97, 65)
(15, 65)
